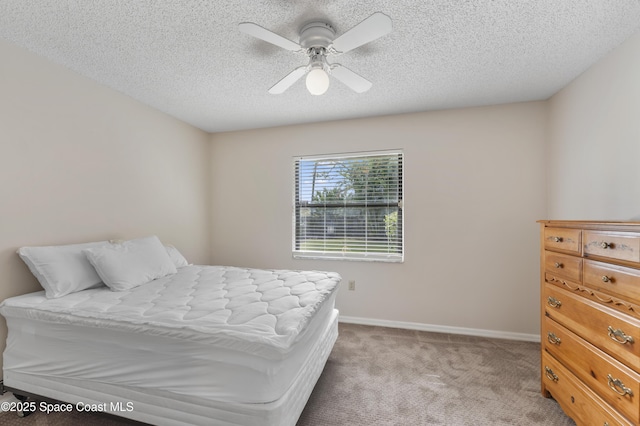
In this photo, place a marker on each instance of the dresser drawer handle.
(553, 339)
(619, 336)
(606, 245)
(550, 374)
(557, 239)
(553, 302)
(558, 265)
(618, 387)
(605, 279)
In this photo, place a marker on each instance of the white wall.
(594, 141)
(80, 162)
(474, 187)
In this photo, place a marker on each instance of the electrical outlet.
(352, 285)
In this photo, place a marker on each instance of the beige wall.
(80, 162)
(474, 187)
(594, 141)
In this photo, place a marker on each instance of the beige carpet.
(386, 376)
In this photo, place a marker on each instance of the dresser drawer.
(562, 239)
(563, 265)
(612, 245)
(576, 399)
(611, 380)
(613, 332)
(612, 279)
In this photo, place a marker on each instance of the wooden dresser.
(590, 320)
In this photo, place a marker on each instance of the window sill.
(357, 257)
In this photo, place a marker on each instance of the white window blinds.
(349, 207)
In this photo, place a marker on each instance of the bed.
(199, 345)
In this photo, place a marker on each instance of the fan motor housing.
(317, 34)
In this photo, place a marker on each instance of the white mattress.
(165, 409)
(210, 332)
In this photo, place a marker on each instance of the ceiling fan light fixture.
(317, 40)
(317, 81)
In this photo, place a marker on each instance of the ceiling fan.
(317, 41)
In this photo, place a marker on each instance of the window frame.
(343, 255)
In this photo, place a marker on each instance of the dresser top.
(593, 224)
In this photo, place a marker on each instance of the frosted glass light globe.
(317, 81)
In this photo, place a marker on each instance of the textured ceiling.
(188, 59)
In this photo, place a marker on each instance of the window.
(349, 207)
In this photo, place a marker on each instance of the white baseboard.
(442, 329)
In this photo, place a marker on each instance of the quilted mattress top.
(238, 308)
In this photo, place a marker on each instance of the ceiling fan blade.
(373, 27)
(350, 79)
(257, 31)
(288, 80)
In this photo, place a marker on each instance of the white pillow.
(177, 257)
(131, 263)
(62, 270)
